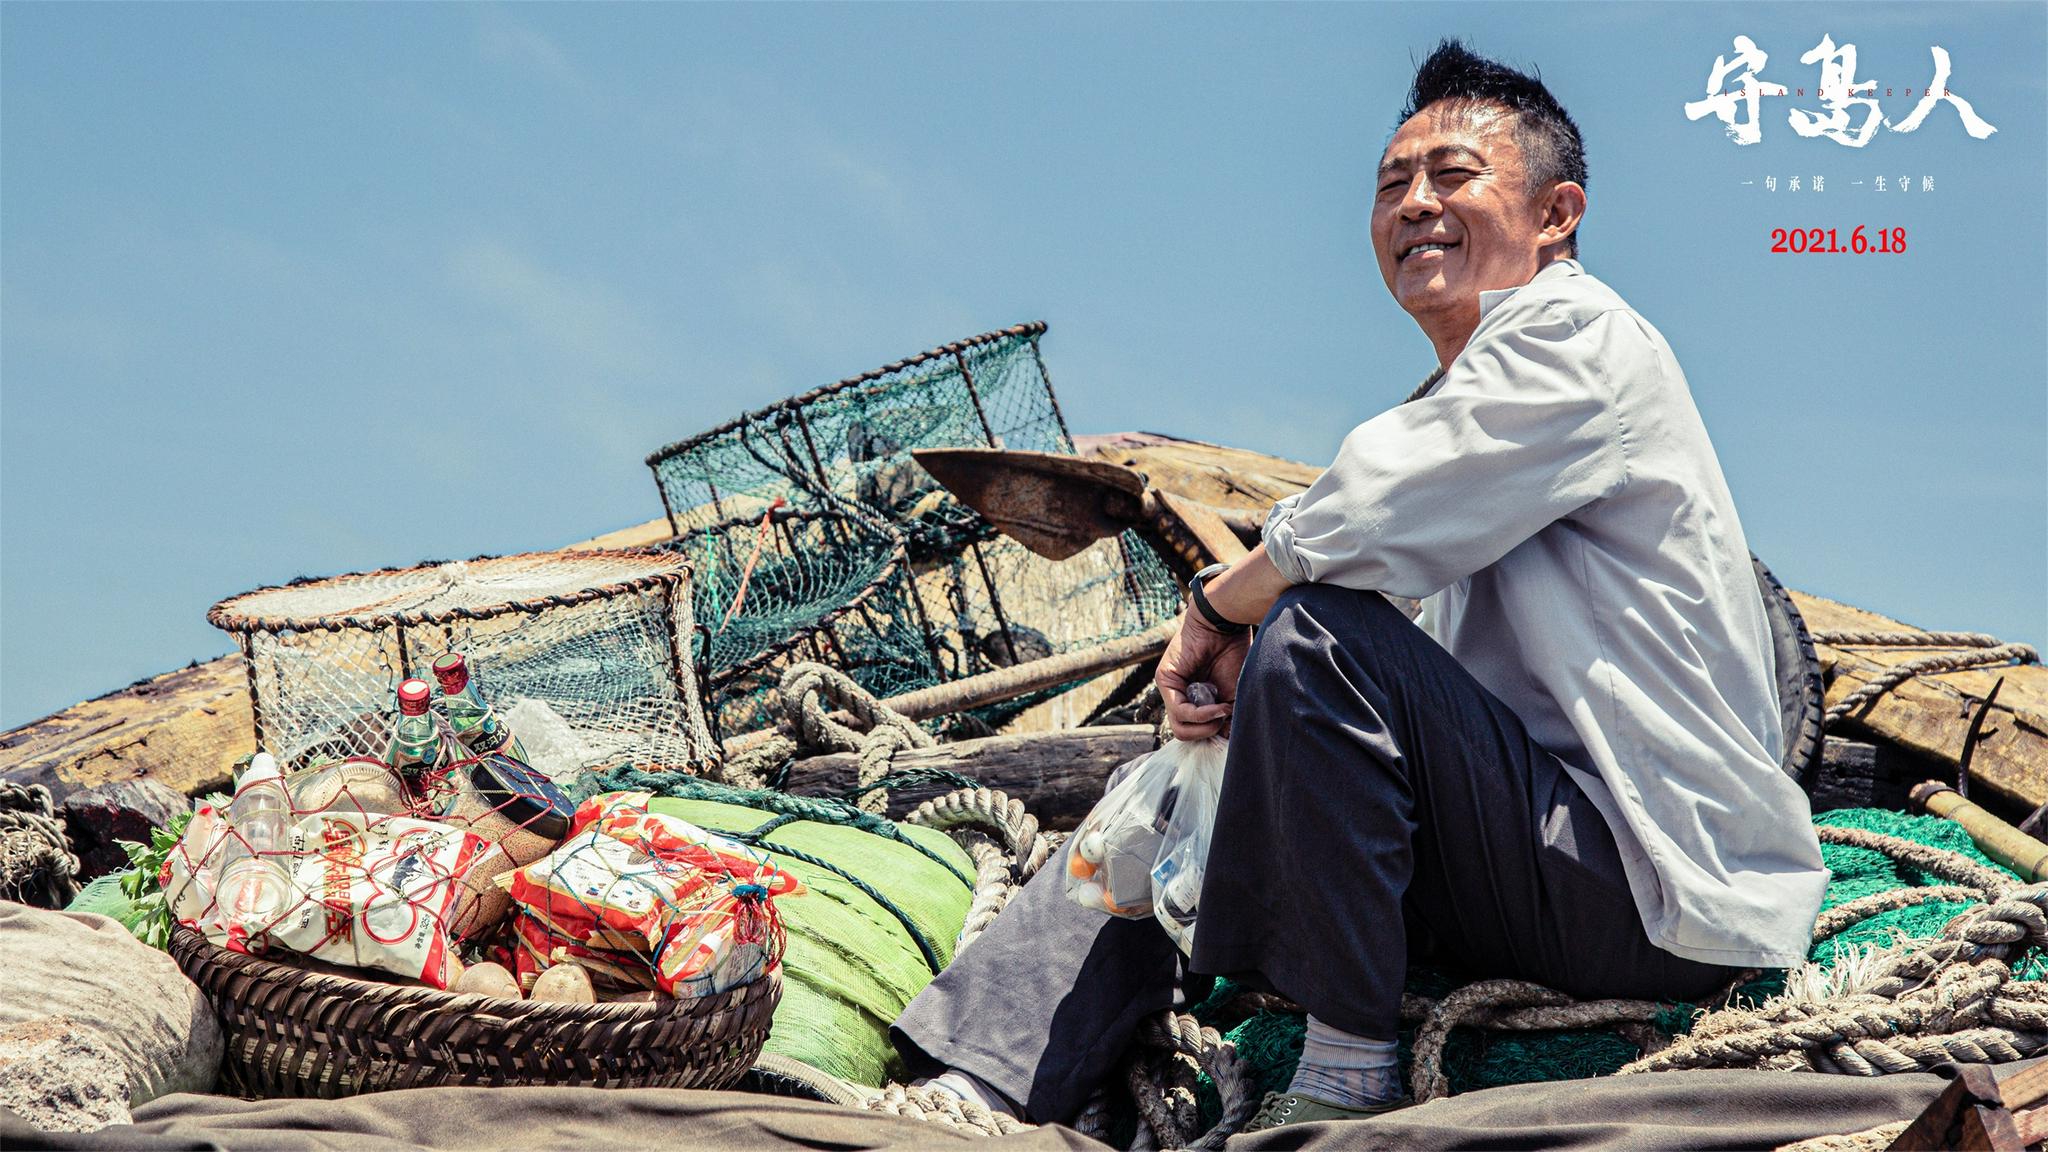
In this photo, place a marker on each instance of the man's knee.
(1308, 620)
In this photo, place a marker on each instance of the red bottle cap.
(453, 673)
(413, 696)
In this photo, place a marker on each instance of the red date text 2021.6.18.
(1885, 240)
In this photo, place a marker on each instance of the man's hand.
(1199, 652)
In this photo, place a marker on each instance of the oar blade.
(1052, 504)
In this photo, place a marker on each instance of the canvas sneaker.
(1280, 1109)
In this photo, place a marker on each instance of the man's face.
(1453, 176)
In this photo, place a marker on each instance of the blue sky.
(295, 289)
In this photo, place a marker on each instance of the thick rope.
(1838, 919)
(1852, 638)
(1985, 652)
(809, 692)
(937, 1106)
(1949, 998)
(1513, 1005)
(1093, 1122)
(1001, 867)
(1509, 1005)
(1940, 863)
(1173, 1047)
(36, 862)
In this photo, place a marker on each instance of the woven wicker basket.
(294, 1032)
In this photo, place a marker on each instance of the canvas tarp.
(1671, 1110)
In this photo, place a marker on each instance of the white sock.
(968, 1086)
(1346, 1070)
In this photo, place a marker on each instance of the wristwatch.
(1209, 613)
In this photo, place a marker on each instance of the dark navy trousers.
(1378, 805)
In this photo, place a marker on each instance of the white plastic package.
(1184, 847)
(370, 891)
(1110, 857)
(1142, 849)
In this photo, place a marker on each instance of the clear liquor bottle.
(475, 723)
(415, 747)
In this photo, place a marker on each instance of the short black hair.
(1550, 141)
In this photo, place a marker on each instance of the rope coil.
(37, 865)
(808, 693)
(1982, 651)
(1953, 997)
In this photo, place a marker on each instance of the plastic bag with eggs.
(1110, 857)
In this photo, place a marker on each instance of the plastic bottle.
(415, 746)
(255, 885)
(479, 726)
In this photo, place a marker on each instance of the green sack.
(852, 963)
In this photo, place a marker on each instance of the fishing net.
(1271, 1041)
(998, 603)
(587, 654)
(850, 442)
(817, 490)
(796, 586)
(789, 586)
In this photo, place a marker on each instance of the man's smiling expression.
(1453, 215)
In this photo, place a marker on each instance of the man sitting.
(1565, 770)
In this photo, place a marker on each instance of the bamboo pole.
(1998, 840)
(1009, 683)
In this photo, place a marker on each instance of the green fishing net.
(814, 535)
(1473, 1059)
(850, 442)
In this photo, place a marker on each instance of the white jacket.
(1555, 502)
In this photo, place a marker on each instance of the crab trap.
(876, 568)
(798, 585)
(586, 655)
(849, 443)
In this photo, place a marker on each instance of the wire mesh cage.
(792, 585)
(960, 600)
(588, 652)
(850, 442)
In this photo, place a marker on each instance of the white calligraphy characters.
(1850, 112)
(1723, 103)
(1838, 94)
(1820, 183)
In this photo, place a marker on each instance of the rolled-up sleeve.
(1522, 431)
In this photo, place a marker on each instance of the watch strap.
(1209, 613)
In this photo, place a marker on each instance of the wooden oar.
(1058, 505)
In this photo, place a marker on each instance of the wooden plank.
(1955, 1118)
(1058, 775)
(638, 536)
(1857, 774)
(1209, 473)
(2025, 1088)
(183, 729)
(1930, 714)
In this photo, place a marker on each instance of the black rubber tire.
(1799, 685)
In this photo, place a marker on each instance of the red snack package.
(632, 890)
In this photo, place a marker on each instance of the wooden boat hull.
(185, 728)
